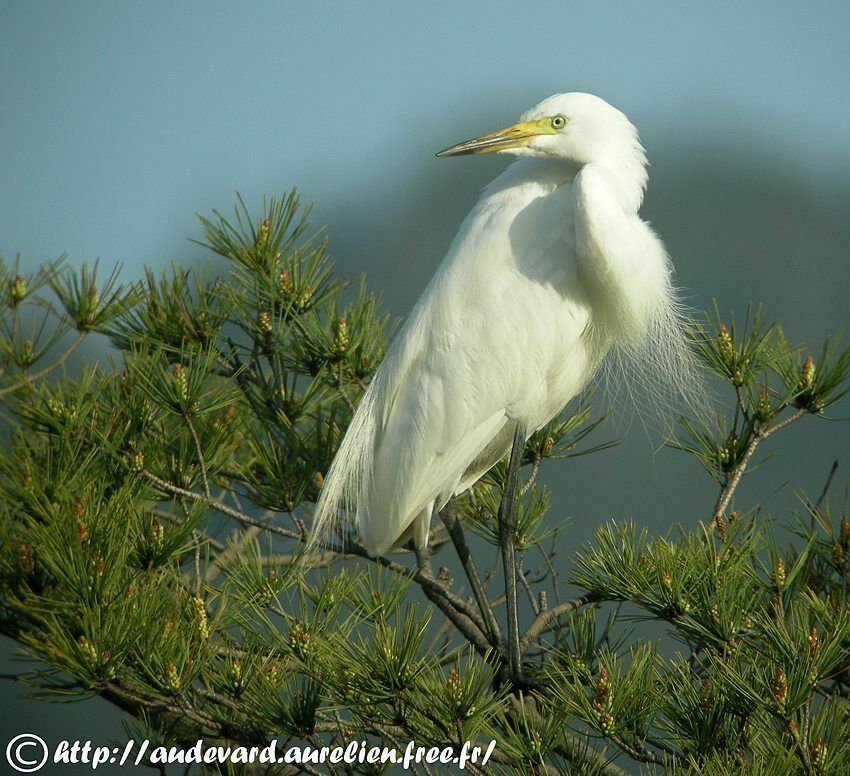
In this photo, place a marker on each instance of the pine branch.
(458, 537)
(547, 616)
(31, 379)
(200, 454)
(454, 609)
(733, 478)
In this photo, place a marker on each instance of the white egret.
(551, 272)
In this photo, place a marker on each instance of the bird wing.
(484, 346)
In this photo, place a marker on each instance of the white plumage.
(551, 271)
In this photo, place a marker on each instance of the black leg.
(507, 529)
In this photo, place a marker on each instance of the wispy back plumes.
(337, 504)
(657, 374)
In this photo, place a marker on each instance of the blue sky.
(119, 120)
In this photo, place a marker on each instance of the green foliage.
(153, 513)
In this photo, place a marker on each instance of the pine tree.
(155, 508)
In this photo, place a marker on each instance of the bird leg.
(507, 536)
(453, 525)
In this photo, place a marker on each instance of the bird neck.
(624, 173)
(626, 176)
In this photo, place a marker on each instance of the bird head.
(575, 127)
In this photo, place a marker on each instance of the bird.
(552, 276)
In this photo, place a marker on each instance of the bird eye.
(559, 121)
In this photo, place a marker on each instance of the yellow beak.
(511, 137)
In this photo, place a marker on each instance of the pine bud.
(304, 297)
(137, 462)
(157, 535)
(807, 374)
(547, 447)
(844, 532)
(838, 555)
(96, 564)
(25, 557)
(263, 234)
(666, 580)
(780, 686)
(813, 641)
(82, 531)
(235, 673)
(818, 752)
(285, 281)
(172, 679)
(25, 353)
(724, 341)
(318, 479)
(272, 671)
(91, 304)
(181, 383)
(299, 640)
(763, 408)
(731, 446)
(88, 652)
(453, 684)
(603, 692)
(779, 575)
(199, 614)
(18, 289)
(264, 322)
(79, 508)
(340, 342)
(715, 614)
(726, 454)
(720, 525)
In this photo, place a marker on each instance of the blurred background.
(119, 121)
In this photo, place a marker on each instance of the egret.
(550, 276)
